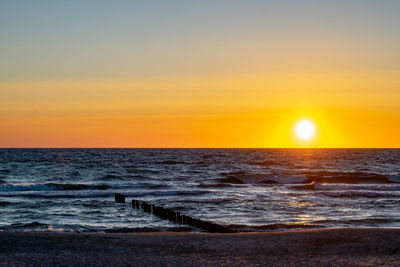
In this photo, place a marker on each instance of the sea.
(246, 190)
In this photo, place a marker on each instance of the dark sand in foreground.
(346, 247)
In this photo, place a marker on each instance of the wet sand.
(338, 247)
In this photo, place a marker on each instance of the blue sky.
(91, 39)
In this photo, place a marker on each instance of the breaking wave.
(148, 229)
(271, 227)
(333, 187)
(348, 177)
(356, 194)
(370, 221)
(263, 179)
(309, 177)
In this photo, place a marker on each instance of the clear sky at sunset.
(199, 73)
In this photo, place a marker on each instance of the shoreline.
(334, 246)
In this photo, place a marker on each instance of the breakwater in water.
(174, 216)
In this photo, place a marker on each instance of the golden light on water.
(305, 130)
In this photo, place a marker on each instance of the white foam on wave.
(353, 193)
(262, 178)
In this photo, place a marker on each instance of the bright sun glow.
(305, 130)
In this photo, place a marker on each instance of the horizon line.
(199, 147)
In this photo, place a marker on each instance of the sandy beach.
(339, 247)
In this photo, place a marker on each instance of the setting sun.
(305, 130)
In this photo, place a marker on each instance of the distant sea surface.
(245, 189)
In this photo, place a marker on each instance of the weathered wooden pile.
(174, 216)
(119, 198)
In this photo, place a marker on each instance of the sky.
(199, 73)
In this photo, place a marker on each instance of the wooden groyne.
(176, 217)
(119, 198)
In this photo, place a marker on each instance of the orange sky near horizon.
(232, 111)
(205, 74)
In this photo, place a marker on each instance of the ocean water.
(245, 189)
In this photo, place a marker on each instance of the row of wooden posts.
(174, 216)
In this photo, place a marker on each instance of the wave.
(43, 227)
(57, 194)
(232, 180)
(145, 185)
(108, 177)
(215, 185)
(5, 203)
(172, 162)
(313, 225)
(268, 162)
(134, 169)
(349, 177)
(356, 194)
(271, 227)
(263, 179)
(294, 179)
(101, 193)
(130, 177)
(24, 226)
(393, 178)
(208, 201)
(333, 187)
(24, 187)
(51, 187)
(148, 229)
(77, 186)
(368, 221)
